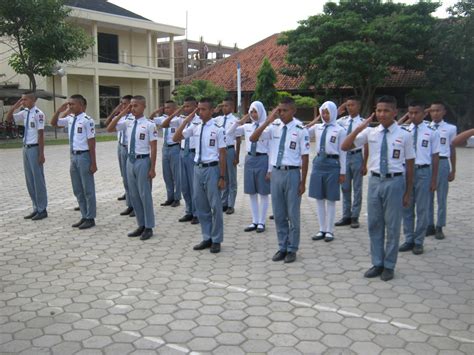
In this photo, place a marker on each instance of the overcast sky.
(243, 22)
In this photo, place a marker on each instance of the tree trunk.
(32, 78)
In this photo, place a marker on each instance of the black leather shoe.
(329, 237)
(147, 233)
(387, 274)
(430, 231)
(121, 198)
(203, 245)
(439, 233)
(250, 228)
(374, 271)
(279, 256)
(260, 228)
(343, 222)
(355, 223)
(195, 220)
(132, 214)
(224, 208)
(77, 224)
(406, 247)
(215, 248)
(88, 223)
(127, 211)
(290, 257)
(77, 208)
(31, 215)
(319, 236)
(137, 232)
(186, 218)
(175, 203)
(418, 249)
(272, 217)
(167, 203)
(230, 210)
(39, 216)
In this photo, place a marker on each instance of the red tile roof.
(224, 72)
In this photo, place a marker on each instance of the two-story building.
(123, 60)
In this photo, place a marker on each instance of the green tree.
(40, 36)
(265, 90)
(200, 89)
(450, 70)
(356, 43)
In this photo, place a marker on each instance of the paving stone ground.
(65, 291)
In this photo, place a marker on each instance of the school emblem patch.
(424, 143)
(396, 154)
(292, 145)
(443, 140)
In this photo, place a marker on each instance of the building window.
(108, 48)
(109, 98)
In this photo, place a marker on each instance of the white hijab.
(262, 113)
(332, 108)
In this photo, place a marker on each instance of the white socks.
(259, 210)
(326, 215)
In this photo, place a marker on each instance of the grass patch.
(51, 141)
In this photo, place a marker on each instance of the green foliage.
(450, 69)
(265, 90)
(38, 32)
(200, 89)
(300, 101)
(355, 43)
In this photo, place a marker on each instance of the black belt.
(79, 152)
(230, 146)
(331, 156)
(142, 156)
(171, 145)
(286, 167)
(422, 166)
(207, 165)
(352, 152)
(190, 150)
(443, 157)
(124, 145)
(256, 154)
(388, 176)
(30, 145)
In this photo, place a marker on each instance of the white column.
(151, 101)
(95, 48)
(172, 62)
(64, 88)
(149, 49)
(95, 84)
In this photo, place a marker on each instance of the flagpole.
(239, 90)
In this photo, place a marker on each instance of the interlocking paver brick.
(98, 292)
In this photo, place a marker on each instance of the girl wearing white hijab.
(256, 169)
(329, 169)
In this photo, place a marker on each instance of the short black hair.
(417, 103)
(207, 100)
(190, 99)
(139, 98)
(170, 102)
(229, 98)
(439, 102)
(387, 99)
(354, 98)
(127, 97)
(79, 98)
(30, 94)
(287, 101)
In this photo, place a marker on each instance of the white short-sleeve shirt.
(195, 121)
(335, 135)
(247, 130)
(121, 135)
(427, 143)
(84, 129)
(399, 147)
(144, 134)
(174, 124)
(36, 121)
(226, 121)
(296, 142)
(211, 140)
(346, 122)
(446, 132)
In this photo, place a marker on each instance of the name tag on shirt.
(292, 145)
(424, 143)
(142, 136)
(396, 154)
(333, 139)
(212, 142)
(443, 140)
(79, 129)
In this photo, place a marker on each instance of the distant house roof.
(103, 6)
(224, 72)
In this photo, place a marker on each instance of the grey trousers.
(140, 191)
(230, 192)
(172, 171)
(34, 176)
(83, 184)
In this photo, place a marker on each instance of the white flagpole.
(239, 91)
